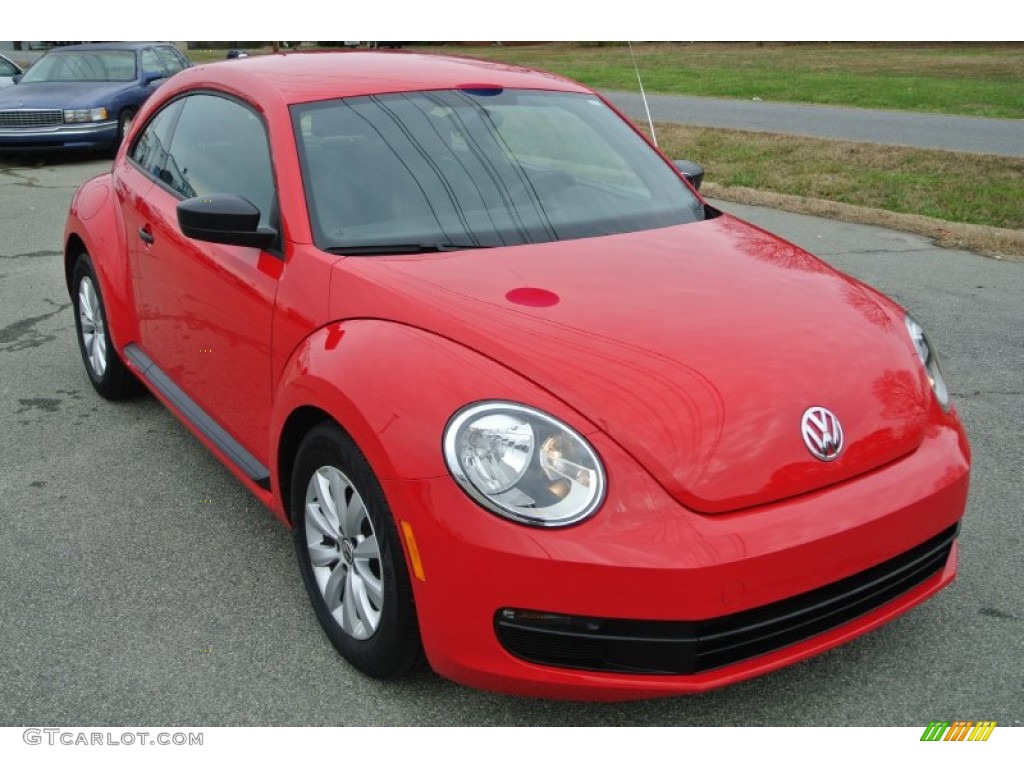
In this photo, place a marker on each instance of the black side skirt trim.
(197, 417)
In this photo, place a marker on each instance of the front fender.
(393, 388)
(94, 222)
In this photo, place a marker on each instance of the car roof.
(313, 76)
(122, 46)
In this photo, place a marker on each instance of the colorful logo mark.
(958, 730)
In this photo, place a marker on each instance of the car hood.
(697, 348)
(60, 95)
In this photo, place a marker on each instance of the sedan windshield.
(439, 170)
(82, 66)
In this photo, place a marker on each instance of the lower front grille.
(31, 118)
(688, 647)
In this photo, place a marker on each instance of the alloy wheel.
(344, 552)
(93, 328)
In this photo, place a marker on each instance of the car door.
(151, 64)
(134, 179)
(205, 309)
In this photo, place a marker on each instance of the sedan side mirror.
(227, 219)
(694, 172)
(148, 78)
(17, 78)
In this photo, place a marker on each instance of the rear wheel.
(107, 372)
(350, 556)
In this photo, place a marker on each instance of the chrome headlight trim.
(929, 359)
(580, 477)
(87, 115)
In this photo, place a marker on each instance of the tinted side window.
(170, 62)
(220, 146)
(150, 62)
(150, 150)
(7, 69)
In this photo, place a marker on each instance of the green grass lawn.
(962, 79)
(981, 79)
(953, 186)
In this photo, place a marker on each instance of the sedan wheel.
(124, 125)
(350, 556)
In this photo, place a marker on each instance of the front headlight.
(929, 359)
(85, 115)
(523, 464)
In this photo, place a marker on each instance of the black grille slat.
(840, 615)
(869, 581)
(908, 580)
(31, 118)
(685, 647)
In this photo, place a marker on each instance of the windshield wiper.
(387, 249)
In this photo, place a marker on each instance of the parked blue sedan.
(83, 96)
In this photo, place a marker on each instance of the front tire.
(350, 556)
(124, 124)
(108, 374)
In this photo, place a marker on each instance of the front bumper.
(645, 559)
(597, 644)
(67, 136)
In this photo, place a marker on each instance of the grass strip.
(978, 79)
(950, 188)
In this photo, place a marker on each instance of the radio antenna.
(643, 95)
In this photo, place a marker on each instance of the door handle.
(145, 235)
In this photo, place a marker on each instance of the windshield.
(479, 168)
(79, 66)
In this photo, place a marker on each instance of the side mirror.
(148, 78)
(694, 172)
(17, 78)
(227, 219)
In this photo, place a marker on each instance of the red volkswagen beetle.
(534, 411)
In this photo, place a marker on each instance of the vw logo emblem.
(822, 433)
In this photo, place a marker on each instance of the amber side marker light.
(414, 551)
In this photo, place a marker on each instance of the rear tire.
(350, 556)
(108, 374)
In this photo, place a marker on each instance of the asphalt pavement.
(143, 585)
(992, 136)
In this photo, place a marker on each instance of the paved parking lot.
(142, 584)
(991, 136)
